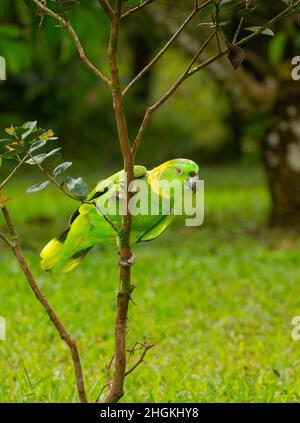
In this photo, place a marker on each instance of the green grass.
(216, 300)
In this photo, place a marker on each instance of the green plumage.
(88, 227)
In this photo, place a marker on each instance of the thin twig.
(51, 179)
(242, 41)
(135, 9)
(66, 24)
(196, 69)
(166, 96)
(237, 33)
(60, 187)
(108, 381)
(195, 10)
(103, 215)
(13, 172)
(6, 240)
(146, 348)
(107, 9)
(16, 248)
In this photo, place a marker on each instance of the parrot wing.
(87, 228)
(157, 229)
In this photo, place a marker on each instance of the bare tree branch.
(16, 248)
(244, 40)
(107, 9)
(238, 30)
(135, 9)
(6, 240)
(195, 10)
(117, 387)
(167, 95)
(66, 24)
(108, 380)
(146, 348)
(191, 71)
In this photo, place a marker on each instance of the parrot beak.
(192, 182)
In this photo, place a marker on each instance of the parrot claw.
(127, 263)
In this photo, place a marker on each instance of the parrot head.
(183, 170)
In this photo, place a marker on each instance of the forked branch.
(107, 8)
(167, 95)
(195, 10)
(136, 9)
(145, 347)
(192, 70)
(107, 378)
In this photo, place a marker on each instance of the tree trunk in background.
(143, 46)
(281, 155)
(233, 147)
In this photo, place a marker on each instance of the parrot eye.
(179, 171)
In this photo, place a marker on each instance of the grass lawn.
(216, 300)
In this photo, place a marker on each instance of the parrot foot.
(127, 263)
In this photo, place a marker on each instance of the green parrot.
(90, 225)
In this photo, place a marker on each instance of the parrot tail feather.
(69, 264)
(53, 260)
(51, 253)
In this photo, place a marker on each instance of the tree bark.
(117, 387)
(281, 156)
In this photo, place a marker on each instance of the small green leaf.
(77, 186)
(36, 145)
(19, 132)
(266, 31)
(61, 168)
(4, 144)
(34, 135)
(37, 187)
(29, 126)
(10, 154)
(54, 151)
(36, 159)
(41, 157)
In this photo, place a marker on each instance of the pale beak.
(192, 183)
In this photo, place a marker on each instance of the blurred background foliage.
(232, 285)
(218, 116)
(47, 82)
